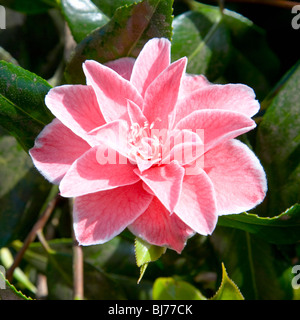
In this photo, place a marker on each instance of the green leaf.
(282, 229)
(226, 47)
(228, 289)
(8, 291)
(29, 6)
(6, 260)
(256, 267)
(124, 36)
(204, 39)
(109, 7)
(26, 90)
(278, 143)
(83, 17)
(171, 289)
(23, 112)
(145, 253)
(22, 191)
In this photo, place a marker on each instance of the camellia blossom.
(147, 147)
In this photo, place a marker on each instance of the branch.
(39, 225)
(275, 3)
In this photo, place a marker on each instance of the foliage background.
(253, 44)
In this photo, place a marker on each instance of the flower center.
(144, 143)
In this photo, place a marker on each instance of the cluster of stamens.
(143, 143)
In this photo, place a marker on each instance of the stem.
(78, 293)
(32, 235)
(78, 268)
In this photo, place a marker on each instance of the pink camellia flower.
(146, 146)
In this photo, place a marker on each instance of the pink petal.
(152, 60)
(144, 164)
(55, 149)
(161, 96)
(98, 217)
(135, 114)
(197, 205)
(76, 107)
(98, 169)
(158, 227)
(183, 146)
(216, 126)
(122, 66)
(191, 83)
(114, 135)
(165, 182)
(111, 89)
(237, 175)
(235, 97)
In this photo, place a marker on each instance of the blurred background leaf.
(30, 7)
(225, 47)
(22, 191)
(256, 267)
(278, 143)
(171, 289)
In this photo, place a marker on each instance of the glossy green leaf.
(23, 112)
(282, 229)
(204, 39)
(26, 90)
(22, 191)
(226, 47)
(29, 6)
(125, 35)
(278, 143)
(83, 17)
(109, 7)
(171, 289)
(8, 291)
(228, 289)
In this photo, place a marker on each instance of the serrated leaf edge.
(13, 288)
(225, 277)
